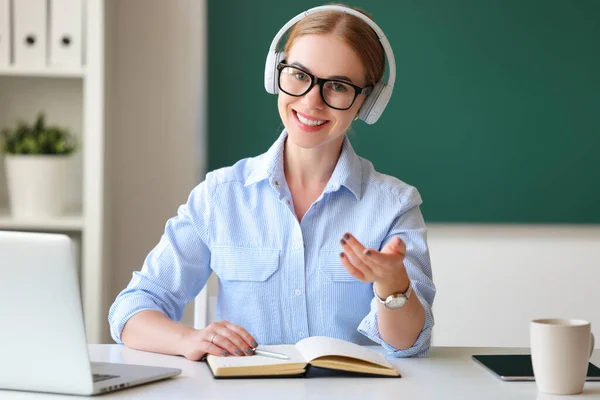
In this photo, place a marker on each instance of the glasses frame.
(314, 80)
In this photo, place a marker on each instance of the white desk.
(449, 373)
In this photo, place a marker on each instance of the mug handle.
(592, 343)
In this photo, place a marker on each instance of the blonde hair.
(352, 30)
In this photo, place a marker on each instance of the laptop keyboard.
(103, 377)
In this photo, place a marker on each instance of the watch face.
(396, 302)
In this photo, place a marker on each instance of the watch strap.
(405, 294)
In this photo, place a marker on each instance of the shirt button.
(301, 334)
(288, 202)
(276, 183)
(298, 292)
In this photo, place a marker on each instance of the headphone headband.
(389, 53)
(375, 102)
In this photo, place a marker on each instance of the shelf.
(48, 72)
(74, 98)
(71, 221)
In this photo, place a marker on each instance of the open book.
(317, 351)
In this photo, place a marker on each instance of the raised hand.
(385, 267)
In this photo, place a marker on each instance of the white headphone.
(375, 102)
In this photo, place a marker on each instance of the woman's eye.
(338, 87)
(300, 76)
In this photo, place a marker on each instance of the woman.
(307, 239)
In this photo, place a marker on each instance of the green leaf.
(37, 138)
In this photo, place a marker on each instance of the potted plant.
(36, 157)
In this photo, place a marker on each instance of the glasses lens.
(338, 94)
(294, 81)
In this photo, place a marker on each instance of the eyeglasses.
(338, 95)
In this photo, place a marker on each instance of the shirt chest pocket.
(331, 266)
(232, 263)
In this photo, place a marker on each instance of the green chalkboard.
(495, 115)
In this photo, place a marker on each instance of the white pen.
(265, 353)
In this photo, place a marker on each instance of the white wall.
(493, 279)
(157, 127)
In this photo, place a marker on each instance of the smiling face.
(310, 123)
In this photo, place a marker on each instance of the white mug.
(560, 351)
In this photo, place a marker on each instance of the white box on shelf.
(29, 33)
(4, 33)
(66, 28)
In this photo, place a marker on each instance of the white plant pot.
(36, 185)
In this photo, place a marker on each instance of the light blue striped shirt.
(280, 279)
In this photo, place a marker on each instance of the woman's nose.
(313, 98)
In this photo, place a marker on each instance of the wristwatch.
(395, 300)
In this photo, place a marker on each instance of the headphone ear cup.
(369, 103)
(375, 103)
(271, 72)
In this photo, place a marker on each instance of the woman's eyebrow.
(336, 77)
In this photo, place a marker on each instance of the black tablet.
(517, 367)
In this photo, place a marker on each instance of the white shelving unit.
(70, 222)
(74, 98)
(44, 72)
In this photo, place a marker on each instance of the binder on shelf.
(66, 28)
(4, 33)
(29, 33)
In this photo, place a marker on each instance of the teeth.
(309, 122)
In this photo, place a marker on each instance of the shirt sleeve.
(410, 227)
(174, 271)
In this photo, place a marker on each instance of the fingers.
(390, 256)
(370, 263)
(210, 348)
(361, 258)
(354, 255)
(246, 337)
(228, 337)
(355, 272)
(241, 338)
(397, 245)
(200, 345)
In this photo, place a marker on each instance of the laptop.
(43, 345)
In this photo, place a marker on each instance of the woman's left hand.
(385, 267)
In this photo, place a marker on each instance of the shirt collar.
(269, 164)
(347, 172)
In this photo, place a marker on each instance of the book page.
(255, 360)
(320, 346)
